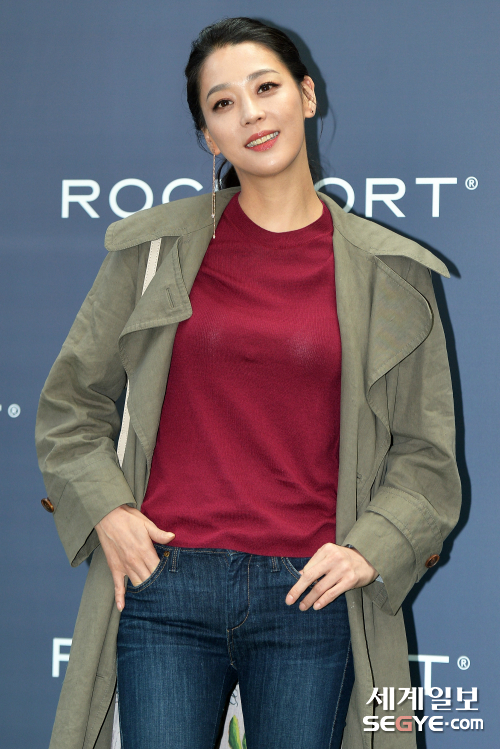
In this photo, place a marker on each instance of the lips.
(263, 134)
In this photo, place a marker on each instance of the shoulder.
(379, 241)
(170, 219)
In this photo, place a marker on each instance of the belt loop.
(274, 564)
(173, 559)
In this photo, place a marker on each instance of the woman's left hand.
(342, 568)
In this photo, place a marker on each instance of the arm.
(418, 501)
(77, 420)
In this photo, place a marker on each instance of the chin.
(270, 168)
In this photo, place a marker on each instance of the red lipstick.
(269, 143)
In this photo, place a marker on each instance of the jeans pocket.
(164, 554)
(294, 564)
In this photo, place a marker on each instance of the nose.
(251, 111)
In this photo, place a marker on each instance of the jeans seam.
(177, 550)
(217, 724)
(231, 629)
(340, 694)
(117, 707)
(290, 568)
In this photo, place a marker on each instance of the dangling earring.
(213, 196)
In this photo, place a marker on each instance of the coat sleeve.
(418, 501)
(77, 420)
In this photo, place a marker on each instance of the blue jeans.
(207, 619)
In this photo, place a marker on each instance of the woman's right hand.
(127, 536)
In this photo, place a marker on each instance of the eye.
(267, 86)
(222, 103)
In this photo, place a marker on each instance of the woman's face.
(247, 94)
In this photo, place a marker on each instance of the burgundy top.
(246, 455)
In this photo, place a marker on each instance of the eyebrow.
(251, 77)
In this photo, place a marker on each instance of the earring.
(213, 196)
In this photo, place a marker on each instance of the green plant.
(234, 735)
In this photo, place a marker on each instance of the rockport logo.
(387, 190)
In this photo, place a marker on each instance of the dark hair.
(231, 31)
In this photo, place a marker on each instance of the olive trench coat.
(398, 492)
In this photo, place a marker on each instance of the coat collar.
(183, 217)
(374, 302)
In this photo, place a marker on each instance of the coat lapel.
(382, 319)
(166, 300)
(147, 340)
(385, 313)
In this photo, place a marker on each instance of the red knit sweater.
(246, 455)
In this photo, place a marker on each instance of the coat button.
(47, 504)
(434, 559)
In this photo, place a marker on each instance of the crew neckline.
(235, 214)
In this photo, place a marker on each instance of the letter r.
(84, 199)
(386, 197)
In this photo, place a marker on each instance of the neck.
(284, 201)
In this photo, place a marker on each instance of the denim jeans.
(207, 619)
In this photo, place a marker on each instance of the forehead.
(233, 63)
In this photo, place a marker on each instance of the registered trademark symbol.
(14, 410)
(471, 183)
(463, 663)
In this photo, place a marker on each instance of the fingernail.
(119, 606)
(289, 598)
(302, 607)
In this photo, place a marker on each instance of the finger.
(156, 534)
(328, 556)
(326, 593)
(336, 563)
(331, 594)
(150, 558)
(119, 583)
(308, 577)
(301, 572)
(140, 571)
(297, 590)
(319, 588)
(153, 562)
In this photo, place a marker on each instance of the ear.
(210, 143)
(308, 96)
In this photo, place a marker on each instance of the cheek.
(293, 129)
(226, 132)
(289, 116)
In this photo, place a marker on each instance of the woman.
(297, 472)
